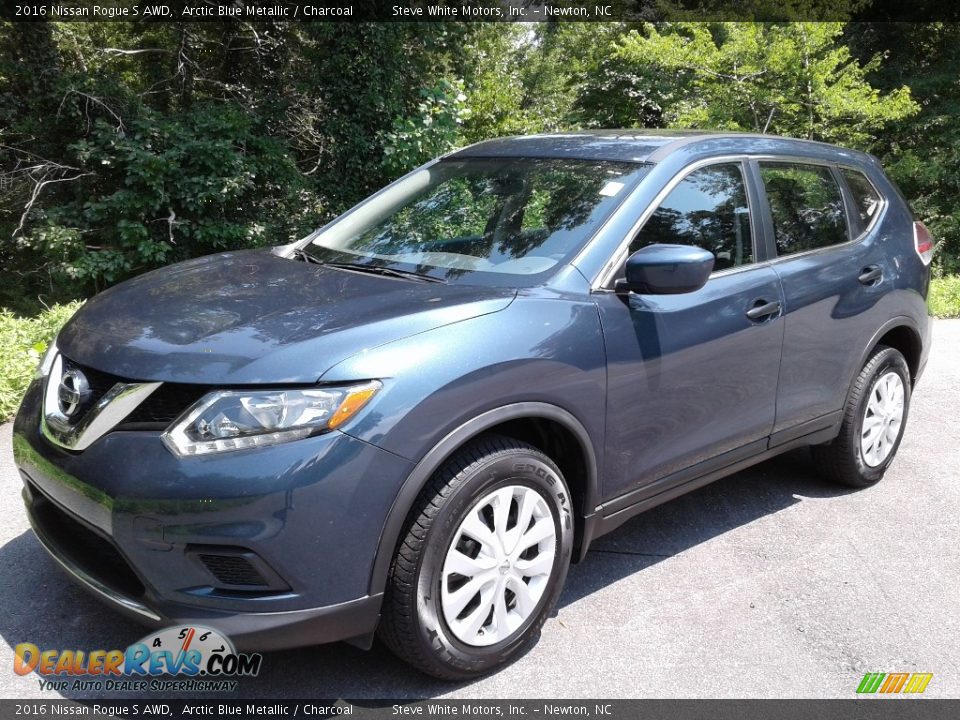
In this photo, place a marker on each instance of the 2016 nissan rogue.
(413, 420)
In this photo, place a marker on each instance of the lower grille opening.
(237, 568)
(232, 570)
(86, 549)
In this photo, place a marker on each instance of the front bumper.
(130, 523)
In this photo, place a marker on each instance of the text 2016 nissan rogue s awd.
(412, 421)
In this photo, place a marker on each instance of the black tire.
(413, 625)
(842, 460)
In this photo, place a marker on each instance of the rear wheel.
(482, 563)
(873, 422)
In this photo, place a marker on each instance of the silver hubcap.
(882, 419)
(498, 565)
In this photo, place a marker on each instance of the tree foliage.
(166, 190)
(789, 78)
(922, 152)
(125, 146)
(434, 128)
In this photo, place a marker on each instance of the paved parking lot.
(770, 583)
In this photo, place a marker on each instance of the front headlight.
(237, 419)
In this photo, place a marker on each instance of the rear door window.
(806, 206)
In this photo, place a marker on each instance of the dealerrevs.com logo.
(206, 658)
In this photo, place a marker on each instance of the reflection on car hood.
(254, 317)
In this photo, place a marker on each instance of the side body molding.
(448, 445)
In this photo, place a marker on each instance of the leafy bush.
(167, 190)
(432, 130)
(127, 146)
(23, 342)
(944, 298)
(927, 169)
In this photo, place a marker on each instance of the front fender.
(539, 358)
(431, 462)
(546, 350)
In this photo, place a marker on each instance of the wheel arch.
(532, 422)
(901, 334)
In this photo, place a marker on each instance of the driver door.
(692, 379)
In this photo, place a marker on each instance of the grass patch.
(944, 298)
(22, 343)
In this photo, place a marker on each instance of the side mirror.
(667, 270)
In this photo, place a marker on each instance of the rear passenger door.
(820, 233)
(692, 379)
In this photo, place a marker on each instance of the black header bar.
(347, 11)
(873, 709)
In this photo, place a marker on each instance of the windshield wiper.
(303, 255)
(382, 270)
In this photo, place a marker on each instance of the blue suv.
(410, 422)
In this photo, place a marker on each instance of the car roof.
(651, 146)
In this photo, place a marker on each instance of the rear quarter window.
(866, 200)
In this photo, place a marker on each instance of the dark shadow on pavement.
(696, 517)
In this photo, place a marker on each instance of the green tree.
(124, 146)
(786, 78)
(434, 128)
(167, 190)
(493, 82)
(522, 79)
(922, 152)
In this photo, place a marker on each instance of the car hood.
(253, 317)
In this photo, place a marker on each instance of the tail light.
(923, 241)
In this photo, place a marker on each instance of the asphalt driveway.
(770, 583)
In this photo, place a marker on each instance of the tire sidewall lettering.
(501, 471)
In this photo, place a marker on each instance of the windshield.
(491, 221)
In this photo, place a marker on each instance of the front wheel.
(486, 551)
(873, 422)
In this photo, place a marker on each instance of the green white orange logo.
(192, 650)
(907, 683)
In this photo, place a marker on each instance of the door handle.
(762, 309)
(871, 275)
